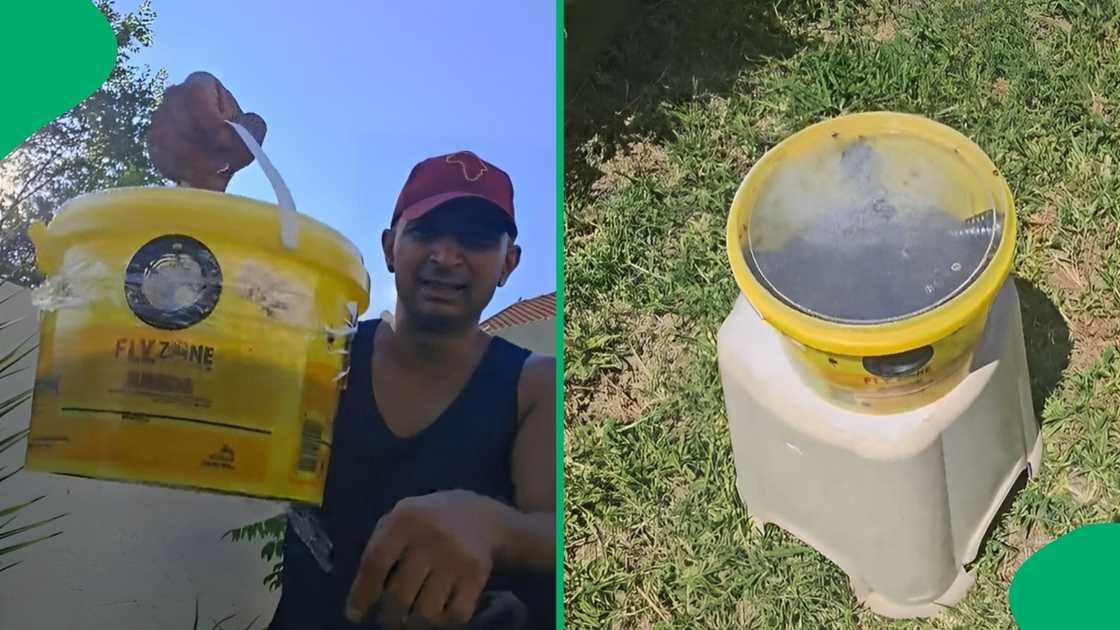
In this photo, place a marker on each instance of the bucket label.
(311, 438)
(223, 458)
(241, 402)
(173, 282)
(196, 377)
(153, 351)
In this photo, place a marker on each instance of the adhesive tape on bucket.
(173, 282)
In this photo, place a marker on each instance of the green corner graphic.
(55, 53)
(1071, 582)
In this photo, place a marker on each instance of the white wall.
(129, 556)
(539, 336)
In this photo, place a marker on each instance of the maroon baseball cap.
(460, 175)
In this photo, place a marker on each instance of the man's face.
(449, 262)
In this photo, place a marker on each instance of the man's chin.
(443, 320)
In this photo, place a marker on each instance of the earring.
(391, 270)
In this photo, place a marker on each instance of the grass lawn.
(658, 137)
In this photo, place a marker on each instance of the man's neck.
(419, 349)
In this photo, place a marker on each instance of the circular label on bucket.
(173, 282)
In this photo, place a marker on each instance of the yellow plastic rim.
(886, 338)
(191, 211)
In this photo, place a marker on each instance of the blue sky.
(356, 92)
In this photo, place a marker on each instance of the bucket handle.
(289, 217)
(48, 259)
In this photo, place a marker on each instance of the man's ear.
(513, 258)
(388, 238)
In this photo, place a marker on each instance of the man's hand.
(429, 559)
(189, 140)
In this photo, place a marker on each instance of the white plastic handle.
(289, 217)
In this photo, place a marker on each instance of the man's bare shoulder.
(539, 372)
(538, 383)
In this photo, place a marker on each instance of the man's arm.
(445, 544)
(528, 539)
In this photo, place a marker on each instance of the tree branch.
(22, 195)
(36, 189)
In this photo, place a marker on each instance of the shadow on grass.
(624, 59)
(1048, 342)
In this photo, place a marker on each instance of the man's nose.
(446, 252)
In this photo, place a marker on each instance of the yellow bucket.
(876, 244)
(182, 343)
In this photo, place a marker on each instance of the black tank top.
(468, 447)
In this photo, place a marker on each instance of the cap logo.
(473, 167)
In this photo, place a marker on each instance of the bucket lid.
(868, 221)
(871, 229)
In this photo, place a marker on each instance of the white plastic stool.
(899, 502)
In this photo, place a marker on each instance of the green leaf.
(17, 547)
(16, 508)
(12, 439)
(15, 401)
(13, 356)
(7, 297)
(272, 580)
(272, 530)
(20, 530)
(8, 373)
(11, 323)
(14, 472)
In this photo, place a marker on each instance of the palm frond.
(8, 297)
(18, 546)
(11, 474)
(17, 353)
(15, 508)
(9, 324)
(9, 366)
(14, 401)
(12, 440)
(20, 530)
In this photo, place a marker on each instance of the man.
(441, 482)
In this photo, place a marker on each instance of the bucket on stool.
(192, 339)
(874, 369)
(876, 244)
